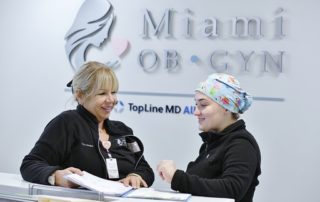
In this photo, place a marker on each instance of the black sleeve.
(142, 167)
(48, 152)
(239, 165)
(145, 171)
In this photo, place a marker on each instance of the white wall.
(34, 71)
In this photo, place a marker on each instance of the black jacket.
(228, 166)
(72, 139)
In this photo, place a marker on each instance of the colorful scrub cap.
(225, 90)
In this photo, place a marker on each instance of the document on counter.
(114, 188)
(150, 193)
(108, 187)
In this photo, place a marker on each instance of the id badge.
(112, 168)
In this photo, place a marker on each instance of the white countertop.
(13, 184)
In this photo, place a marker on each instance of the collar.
(91, 119)
(212, 136)
(87, 115)
(114, 128)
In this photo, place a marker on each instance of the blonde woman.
(85, 139)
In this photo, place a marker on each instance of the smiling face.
(211, 116)
(95, 88)
(101, 104)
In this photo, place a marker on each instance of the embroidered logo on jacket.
(86, 145)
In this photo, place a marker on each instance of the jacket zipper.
(104, 160)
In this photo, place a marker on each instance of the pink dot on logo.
(119, 46)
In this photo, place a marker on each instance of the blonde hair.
(92, 77)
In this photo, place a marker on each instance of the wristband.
(52, 179)
(133, 174)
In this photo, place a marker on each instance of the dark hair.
(235, 116)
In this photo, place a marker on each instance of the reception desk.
(14, 188)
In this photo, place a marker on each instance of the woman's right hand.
(61, 181)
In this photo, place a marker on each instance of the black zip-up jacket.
(72, 139)
(228, 166)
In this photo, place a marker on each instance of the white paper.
(150, 193)
(95, 183)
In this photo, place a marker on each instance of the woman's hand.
(61, 181)
(166, 170)
(134, 180)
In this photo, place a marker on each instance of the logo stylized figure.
(91, 27)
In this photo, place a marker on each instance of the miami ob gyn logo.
(92, 28)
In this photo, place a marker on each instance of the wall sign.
(95, 21)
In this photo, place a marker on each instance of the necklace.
(104, 139)
(106, 144)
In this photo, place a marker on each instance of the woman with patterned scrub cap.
(229, 159)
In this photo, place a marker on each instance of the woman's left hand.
(134, 180)
(166, 170)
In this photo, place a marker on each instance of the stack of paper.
(150, 193)
(108, 187)
(114, 188)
